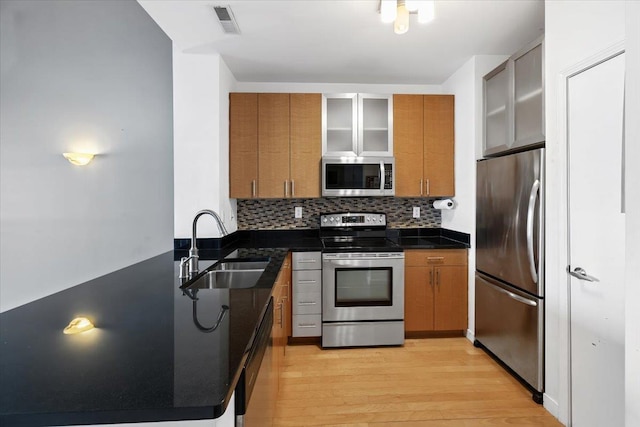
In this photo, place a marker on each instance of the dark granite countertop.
(146, 360)
(430, 238)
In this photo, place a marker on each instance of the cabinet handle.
(286, 189)
(306, 325)
(435, 258)
(307, 303)
(307, 281)
(438, 278)
(293, 189)
(428, 189)
(253, 188)
(431, 277)
(421, 186)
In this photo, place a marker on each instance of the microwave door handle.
(382, 175)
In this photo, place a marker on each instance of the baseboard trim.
(551, 405)
(470, 335)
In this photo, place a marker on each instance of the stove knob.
(368, 219)
(381, 218)
(324, 219)
(331, 219)
(374, 219)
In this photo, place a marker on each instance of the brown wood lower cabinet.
(436, 290)
(281, 319)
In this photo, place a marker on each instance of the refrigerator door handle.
(535, 188)
(516, 297)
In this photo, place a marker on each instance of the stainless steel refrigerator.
(509, 300)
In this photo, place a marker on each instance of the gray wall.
(76, 76)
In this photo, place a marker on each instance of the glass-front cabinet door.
(339, 121)
(497, 110)
(375, 125)
(528, 104)
(514, 102)
(357, 125)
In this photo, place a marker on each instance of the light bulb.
(411, 5)
(426, 11)
(401, 24)
(388, 10)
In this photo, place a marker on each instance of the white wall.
(632, 314)
(336, 88)
(80, 76)
(227, 206)
(574, 31)
(466, 85)
(201, 142)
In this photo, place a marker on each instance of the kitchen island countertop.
(146, 360)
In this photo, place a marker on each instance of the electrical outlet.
(416, 211)
(297, 211)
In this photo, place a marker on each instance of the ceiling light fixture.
(398, 11)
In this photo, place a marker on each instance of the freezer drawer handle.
(579, 273)
(516, 297)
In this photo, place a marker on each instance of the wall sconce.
(398, 11)
(78, 325)
(79, 159)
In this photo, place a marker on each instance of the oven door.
(362, 286)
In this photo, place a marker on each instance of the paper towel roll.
(444, 204)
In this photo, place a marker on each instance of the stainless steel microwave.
(358, 176)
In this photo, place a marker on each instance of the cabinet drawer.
(307, 281)
(420, 258)
(307, 325)
(307, 261)
(307, 303)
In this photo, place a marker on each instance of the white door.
(596, 244)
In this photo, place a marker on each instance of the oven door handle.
(354, 262)
(382, 175)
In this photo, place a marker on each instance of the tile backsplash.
(271, 214)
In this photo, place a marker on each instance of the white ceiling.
(344, 41)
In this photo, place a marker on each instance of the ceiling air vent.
(227, 20)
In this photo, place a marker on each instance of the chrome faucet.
(189, 265)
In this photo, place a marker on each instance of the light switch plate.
(416, 211)
(297, 211)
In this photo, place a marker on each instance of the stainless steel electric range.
(362, 281)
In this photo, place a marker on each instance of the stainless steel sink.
(231, 274)
(241, 265)
(227, 279)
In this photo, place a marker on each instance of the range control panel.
(350, 219)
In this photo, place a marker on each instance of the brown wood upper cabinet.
(423, 145)
(435, 290)
(243, 145)
(274, 145)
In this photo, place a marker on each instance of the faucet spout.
(193, 251)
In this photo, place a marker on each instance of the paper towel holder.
(444, 204)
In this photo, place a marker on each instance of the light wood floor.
(428, 382)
